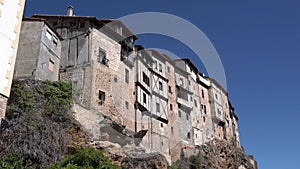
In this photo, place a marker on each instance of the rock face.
(41, 129)
(218, 154)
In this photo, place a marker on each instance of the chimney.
(70, 10)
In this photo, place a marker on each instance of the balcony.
(127, 58)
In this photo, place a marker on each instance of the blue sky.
(259, 45)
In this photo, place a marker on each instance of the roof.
(97, 21)
(46, 22)
(187, 60)
(217, 84)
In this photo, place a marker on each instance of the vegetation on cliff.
(39, 130)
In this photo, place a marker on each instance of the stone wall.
(3, 102)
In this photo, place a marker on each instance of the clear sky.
(259, 45)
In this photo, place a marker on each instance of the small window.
(202, 91)
(51, 65)
(195, 102)
(205, 109)
(72, 24)
(54, 40)
(191, 98)
(155, 64)
(101, 58)
(116, 79)
(202, 107)
(101, 96)
(160, 86)
(204, 119)
(188, 135)
(181, 82)
(127, 105)
(82, 25)
(189, 82)
(49, 35)
(162, 143)
(157, 107)
(144, 98)
(145, 79)
(168, 69)
(187, 117)
(170, 89)
(216, 96)
(126, 75)
(160, 67)
(172, 130)
(179, 113)
(171, 107)
(161, 125)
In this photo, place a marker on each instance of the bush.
(87, 158)
(14, 161)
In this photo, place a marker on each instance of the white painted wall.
(11, 12)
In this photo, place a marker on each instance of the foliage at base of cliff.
(38, 126)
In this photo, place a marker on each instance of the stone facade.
(3, 102)
(171, 102)
(39, 51)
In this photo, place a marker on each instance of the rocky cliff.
(42, 128)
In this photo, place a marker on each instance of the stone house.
(39, 51)
(97, 57)
(176, 105)
(206, 116)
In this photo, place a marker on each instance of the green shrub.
(87, 158)
(14, 161)
(24, 98)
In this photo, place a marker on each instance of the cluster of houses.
(142, 89)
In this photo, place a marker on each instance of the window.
(172, 130)
(160, 67)
(202, 107)
(101, 58)
(171, 107)
(168, 69)
(205, 109)
(195, 102)
(181, 82)
(219, 112)
(191, 98)
(101, 96)
(160, 86)
(204, 119)
(145, 79)
(51, 65)
(126, 75)
(157, 107)
(189, 82)
(116, 79)
(187, 117)
(170, 89)
(161, 125)
(155, 64)
(54, 40)
(144, 98)
(179, 113)
(127, 105)
(82, 25)
(216, 96)
(188, 135)
(202, 91)
(48, 34)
